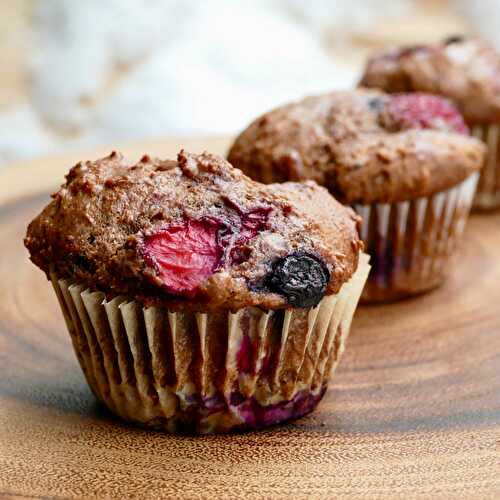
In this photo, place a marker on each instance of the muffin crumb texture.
(365, 146)
(194, 233)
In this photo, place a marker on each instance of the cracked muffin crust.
(365, 146)
(193, 233)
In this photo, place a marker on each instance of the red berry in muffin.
(424, 111)
(184, 254)
(251, 223)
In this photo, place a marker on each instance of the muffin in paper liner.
(207, 372)
(488, 188)
(412, 242)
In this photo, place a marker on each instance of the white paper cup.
(488, 188)
(411, 242)
(207, 372)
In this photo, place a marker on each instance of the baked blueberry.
(376, 104)
(454, 39)
(301, 278)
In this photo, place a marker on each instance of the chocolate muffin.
(404, 162)
(197, 299)
(466, 71)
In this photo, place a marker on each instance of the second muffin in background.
(404, 162)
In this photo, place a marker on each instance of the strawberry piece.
(252, 222)
(184, 254)
(425, 111)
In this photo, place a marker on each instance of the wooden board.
(414, 410)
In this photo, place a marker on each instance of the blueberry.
(375, 104)
(454, 39)
(300, 277)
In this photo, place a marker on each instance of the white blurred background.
(82, 73)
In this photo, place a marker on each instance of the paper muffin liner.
(411, 243)
(488, 188)
(207, 372)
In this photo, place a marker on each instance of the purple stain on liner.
(251, 414)
(215, 403)
(246, 355)
(257, 416)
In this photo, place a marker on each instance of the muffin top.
(195, 234)
(365, 146)
(466, 70)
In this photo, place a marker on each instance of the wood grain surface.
(412, 412)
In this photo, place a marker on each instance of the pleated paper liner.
(207, 372)
(411, 243)
(488, 188)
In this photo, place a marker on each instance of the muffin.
(199, 300)
(403, 162)
(465, 70)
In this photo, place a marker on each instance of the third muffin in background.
(465, 70)
(404, 162)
